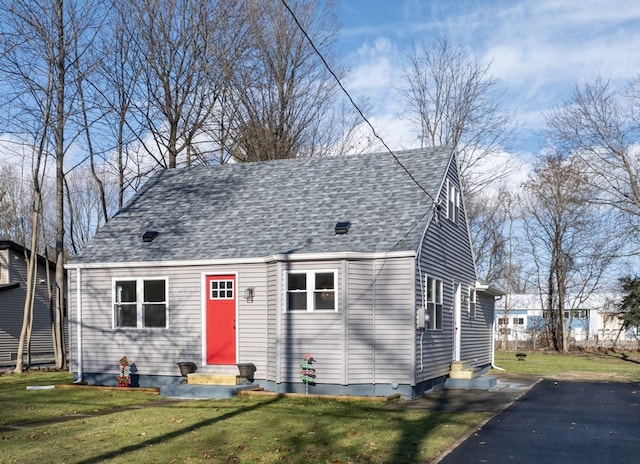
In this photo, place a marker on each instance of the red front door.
(221, 319)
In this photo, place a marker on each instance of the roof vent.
(342, 227)
(149, 235)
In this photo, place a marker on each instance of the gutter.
(284, 257)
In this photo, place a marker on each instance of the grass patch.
(596, 365)
(247, 430)
(255, 429)
(21, 405)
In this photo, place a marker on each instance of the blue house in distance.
(592, 322)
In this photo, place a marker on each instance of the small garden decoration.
(308, 372)
(124, 379)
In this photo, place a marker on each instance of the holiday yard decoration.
(308, 372)
(124, 378)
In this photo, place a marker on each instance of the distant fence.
(622, 344)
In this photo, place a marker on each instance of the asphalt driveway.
(560, 422)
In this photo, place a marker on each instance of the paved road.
(560, 422)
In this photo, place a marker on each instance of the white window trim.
(453, 214)
(311, 290)
(434, 323)
(139, 302)
(226, 289)
(473, 303)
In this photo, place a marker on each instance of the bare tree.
(15, 206)
(85, 201)
(184, 51)
(112, 90)
(570, 238)
(24, 341)
(490, 242)
(454, 101)
(284, 96)
(602, 128)
(41, 41)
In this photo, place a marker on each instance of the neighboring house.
(593, 321)
(13, 284)
(514, 325)
(363, 262)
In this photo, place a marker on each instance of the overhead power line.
(346, 92)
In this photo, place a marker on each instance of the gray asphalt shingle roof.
(265, 208)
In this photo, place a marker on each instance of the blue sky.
(538, 50)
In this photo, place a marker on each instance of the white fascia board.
(239, 261)
(489, 289)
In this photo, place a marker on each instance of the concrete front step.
(204, 378)
(462, 370)
(466, 374)
(484, 382)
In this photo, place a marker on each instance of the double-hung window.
(311, 291)
(434, 303)
(140, 303)
(453, 202)
(472, 302)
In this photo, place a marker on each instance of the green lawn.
(251, 429)
(239, 430)
(17, 404)
(603, 365)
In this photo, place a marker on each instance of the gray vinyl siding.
(394, 320)
(476, 343)
(14, 270)
(320, 333)
(156, 351)
(445, 255)
(360, 322)
(252, 322)
(368, 340)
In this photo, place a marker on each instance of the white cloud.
(538, 50)
(373, 67)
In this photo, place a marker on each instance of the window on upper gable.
(140, 303)
(453, 202)
(434, 303)
(311, 291)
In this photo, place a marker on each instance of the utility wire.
(373, 130)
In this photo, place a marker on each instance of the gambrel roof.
(262, 209)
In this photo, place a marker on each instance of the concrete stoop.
(462, 375)
(221, 383)
(204, 391)
(484, 382)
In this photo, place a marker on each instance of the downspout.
(493, 336)
(79, 322)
